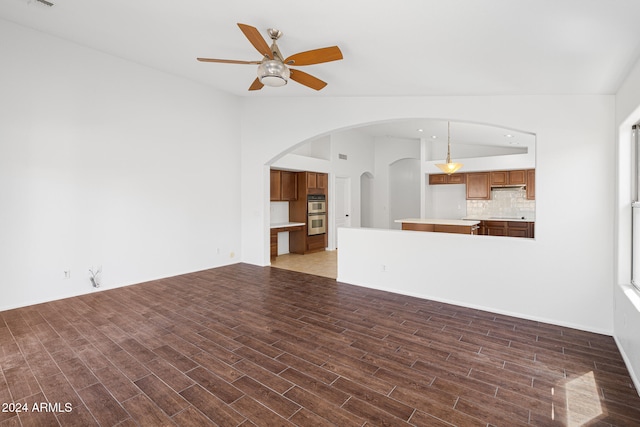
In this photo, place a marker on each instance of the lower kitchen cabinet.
(303, 244)
(518, 229)
(316, 243)
(507, 228)
(494, 228)
(274, 243)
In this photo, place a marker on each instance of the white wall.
(387, 151)
(107, 163)
(359, 149)
(626, 299)
(445, 201)
(569, 273)
(404, 191)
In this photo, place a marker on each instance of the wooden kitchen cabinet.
(289, 186)
(518, 177)
(513, 177)
(441, 228)
(316, 243)
(308, 183)
(323, 181)
(517, 229)
(508, 228)
(494, 228)
(273, 243)
(312, 180)
(284, 186)
(531, 184)
(317, 180)
(276, 186)
(499, 177)
(442, 178)
(478, 187)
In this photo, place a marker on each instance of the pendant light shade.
(449, 167)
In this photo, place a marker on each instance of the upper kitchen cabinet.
(478, 187)
(317, 183)
(441, 178)
(531, 184)
(289, 185)
(284, 186)
(276, 185)
(510, 177)
(518, 177)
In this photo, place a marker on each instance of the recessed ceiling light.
(434, 137)
(508, 135)
(420, 130)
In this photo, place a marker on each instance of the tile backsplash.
(505, 202)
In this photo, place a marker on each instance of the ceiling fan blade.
(227, 61)
(256, 39)
(256, 85)
(316, 56)
(307, 79)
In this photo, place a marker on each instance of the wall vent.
(342, 156)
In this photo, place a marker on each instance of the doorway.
(342, 205)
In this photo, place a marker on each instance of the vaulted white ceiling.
(402, 48)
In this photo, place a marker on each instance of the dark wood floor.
(246, 345)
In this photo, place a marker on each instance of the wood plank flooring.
(243, 345)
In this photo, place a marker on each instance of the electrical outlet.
(66, 274)
(383, 268)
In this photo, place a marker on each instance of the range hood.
(507, 186)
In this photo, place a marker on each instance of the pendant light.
(449, 167)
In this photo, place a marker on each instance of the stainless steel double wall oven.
(316, 214)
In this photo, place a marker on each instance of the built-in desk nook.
(293, 228)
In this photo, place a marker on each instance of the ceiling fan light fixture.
(273, 73)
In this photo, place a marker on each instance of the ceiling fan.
(273, 70)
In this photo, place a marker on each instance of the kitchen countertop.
(286, 224)
(463, 222)
(496, 218)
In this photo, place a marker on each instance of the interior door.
(343, 204)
